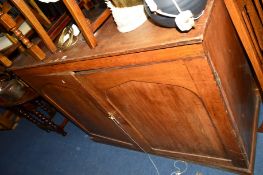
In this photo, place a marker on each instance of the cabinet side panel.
(210, 94)
(232, 72)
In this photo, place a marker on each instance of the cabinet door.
(161, 103)
(68, 95)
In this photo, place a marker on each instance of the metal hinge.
(111, 115)
(217, 78)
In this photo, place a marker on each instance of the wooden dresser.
(189, 95)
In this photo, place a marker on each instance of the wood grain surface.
(181, 95)
(229, 62)
(110, 42)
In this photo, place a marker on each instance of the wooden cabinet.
(182, 95)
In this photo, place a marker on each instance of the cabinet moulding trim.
(154, 56)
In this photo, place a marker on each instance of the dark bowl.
(167, 6)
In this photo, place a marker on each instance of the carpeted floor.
(30, 151)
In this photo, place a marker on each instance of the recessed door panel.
(170, 118)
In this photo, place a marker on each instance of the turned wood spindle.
(15, 41)
(5, 61)
(45, 107)
(8, 22)
(22, 6)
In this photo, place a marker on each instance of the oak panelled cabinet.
(189, 96)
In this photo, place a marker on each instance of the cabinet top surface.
(111, 42)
